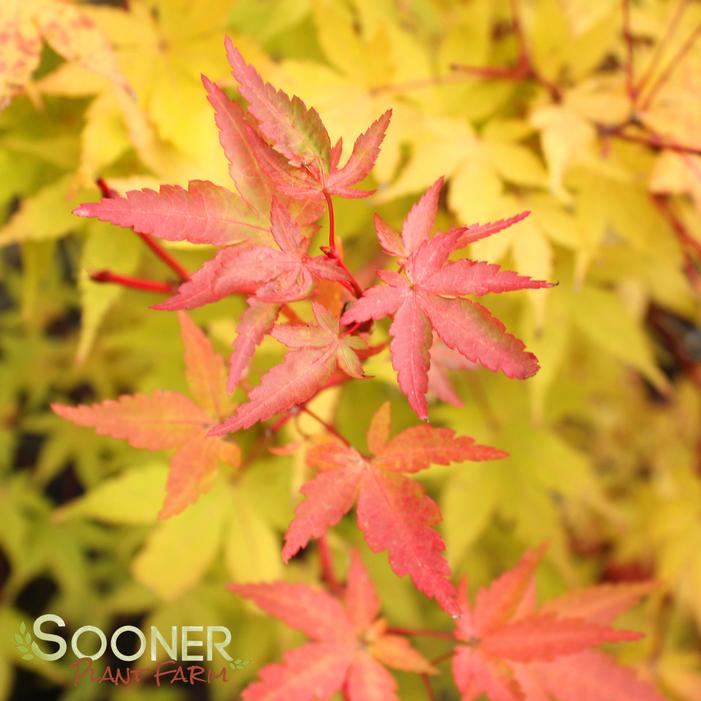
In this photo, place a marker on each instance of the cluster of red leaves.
(286, 173)
(506, 646)
(513, 650)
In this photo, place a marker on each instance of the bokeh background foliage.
(604, 441)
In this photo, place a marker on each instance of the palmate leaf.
(166, 420)
(316, 353)
(337, 658)
(393, 511)
(515, 651)
(427, 299)
(298, 134)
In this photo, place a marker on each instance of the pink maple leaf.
(513, 650)
(429, 295)
(166, 420)
(350, 649)
(393, 511)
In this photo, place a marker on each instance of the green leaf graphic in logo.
(23, 642)
(239, 663)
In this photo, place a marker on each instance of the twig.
(134, 283)
(674, 62)
(331, 429)
(332, 252)
(664, 39)
(649, 138)
(429, 688)
(157, 249)
(691, 248)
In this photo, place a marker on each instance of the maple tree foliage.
(351, 647)
(264, 255)
(285, 173)
(393, 511)
(511, 649)
(165, 420)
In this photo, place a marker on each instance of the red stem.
(421, 632)
(691, 248)
(655, 141)
(291, 314)
(352, 328)
(172, 263)
(327, 573)
(331, 429)
(134, 283)
(332, 224)
(428, 687)
(332, 252)
(282, 421)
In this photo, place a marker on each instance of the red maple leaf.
(166, 420)
(302, 164)
(351, 647)
(317, 350)
(393, 511)
(429, 295)
(514, 650)
(270, 274)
